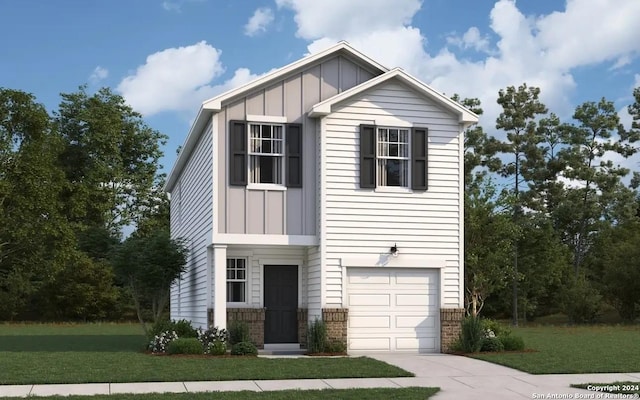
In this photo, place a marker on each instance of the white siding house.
(337, 195)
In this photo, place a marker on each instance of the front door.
(281, 303)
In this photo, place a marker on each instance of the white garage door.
(392, 309)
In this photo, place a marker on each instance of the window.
(393, 157)
(236, 280)
(266, 153)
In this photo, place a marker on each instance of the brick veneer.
(254, 317)
(302, 327)
(336, 320)
(450, 326)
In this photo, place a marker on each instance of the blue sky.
(167, 56)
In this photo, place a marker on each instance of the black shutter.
(238, 153)
(293, 155)
(419, 143)
(367, 156)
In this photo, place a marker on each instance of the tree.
(110, 158)
(34, 235)
(520, 107)
(148, 265)
(488, 241)
(597, 132)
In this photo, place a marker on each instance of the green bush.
(472, 334)
(581, 302)
(185, 346)
(317, 337)
(496, 327)
(238, 332)
(182, 328)
(213, 334)
(512, 342)
(491, 344)
(216, 348)
(244, 349)
(336, 347)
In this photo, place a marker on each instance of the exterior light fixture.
(394, 250)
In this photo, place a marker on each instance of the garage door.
(392, 309)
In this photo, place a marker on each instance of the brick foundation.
(302, 327)
(336, 321)
(254, 317)
(450, 327)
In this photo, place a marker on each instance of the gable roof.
(214, 105)
(466, 117)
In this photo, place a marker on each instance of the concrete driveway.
(467, 378)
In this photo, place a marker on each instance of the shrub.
(160, 342)
(472, 334)
(238, 332)
(512, 342)
(244, 349)
(491, 344)
(336, 347)
(317, 337)
(211, 335)
(182, 328)
(582, 302)
(498, 329)
(216, 348)
(185, 346)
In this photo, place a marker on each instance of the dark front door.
(281, 303)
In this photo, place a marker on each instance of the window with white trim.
(266, 153)
(393, 157)
(236, 280)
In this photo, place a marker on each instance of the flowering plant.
(160, 342)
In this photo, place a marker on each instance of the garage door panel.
(370, 300)
(418, 322)
(393, 309)
(381, 343)
(425, 343)
(366, 321)
(414, 299)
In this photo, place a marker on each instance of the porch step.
(282, 349)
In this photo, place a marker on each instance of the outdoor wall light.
(394, 250)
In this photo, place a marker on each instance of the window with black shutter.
(294, 155)
(238, 153)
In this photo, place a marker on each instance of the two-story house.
(330, 188)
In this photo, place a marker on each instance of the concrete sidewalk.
(457, 377)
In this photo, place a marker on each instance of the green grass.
(571, 350)
(32, 354)
(615, 387)
(410, 393)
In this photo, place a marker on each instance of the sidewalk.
(457, 377)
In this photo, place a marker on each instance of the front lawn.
(411, 393)
(32, 354)
(572, 350)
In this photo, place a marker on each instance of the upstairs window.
(236, 280)
(266, 153)
(393, 157)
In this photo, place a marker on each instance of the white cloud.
(99, 73)
(539, 50)
(471, 39)
(176, 5)
(259, 21)
(170, 78)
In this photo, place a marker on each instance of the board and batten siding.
(367, 222)
(192, 220)
(291, 211)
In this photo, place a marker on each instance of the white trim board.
(257, 239)
(388, 261)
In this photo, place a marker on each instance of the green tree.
(148, 265)
(34, 235)
(520, 108)
(488, 241)
(110, 158)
